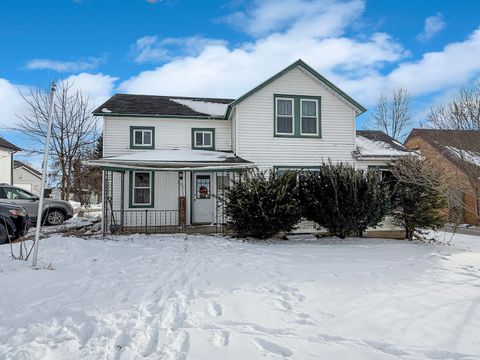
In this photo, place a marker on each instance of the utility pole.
(44, 177)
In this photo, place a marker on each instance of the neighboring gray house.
(7, 149)
(26, 177)
(166, 158)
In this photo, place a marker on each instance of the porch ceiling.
(174, 159)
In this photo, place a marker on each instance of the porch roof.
(174, 160)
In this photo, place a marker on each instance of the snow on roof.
(368, 147)
(466, 155)
(177, 155)
(105, 110)
(205, 107)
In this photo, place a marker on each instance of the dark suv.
(14, 222)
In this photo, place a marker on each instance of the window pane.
(207, 139)
(147, 138)
(142, 180)
(309, 125)
(284, 107)
(17, 194)
(309, 108)
(138, 140)
(141, 196)
(198, 138)
(203, 186)
(284, 125)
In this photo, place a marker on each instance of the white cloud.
(218, 69)
(318, 17)
(98, 87)
(11, 103)
(153, 49)
(64, 66)
(433, 25)
(356, 64)
(456, 64)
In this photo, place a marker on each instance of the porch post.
(182, 203)
(122, 199)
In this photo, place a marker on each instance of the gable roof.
(300, 63)
(376, 144)
(19, 164)
(171, 106)
(200, 107)
(452, 144)
(8, 145)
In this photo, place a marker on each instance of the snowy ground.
(203, 297)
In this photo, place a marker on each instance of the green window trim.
(131, 190)
(203, 130)
(297, 115)
(133, 129)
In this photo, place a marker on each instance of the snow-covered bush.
(344, 200)
(418, 195)
(262, 205)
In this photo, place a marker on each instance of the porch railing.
(144, 221)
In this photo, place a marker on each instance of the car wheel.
(3, 235)
(55, 217)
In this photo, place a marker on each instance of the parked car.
(55, 212)
(14, 222)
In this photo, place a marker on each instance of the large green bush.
(261, 205)
(344, 200)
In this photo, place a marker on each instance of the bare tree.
(74, 129)
(87, 180)
(392, 115)
(462, 113)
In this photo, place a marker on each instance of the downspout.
(11, 168)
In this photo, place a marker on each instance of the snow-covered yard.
(171, 297)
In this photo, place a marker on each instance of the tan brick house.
(457, 154)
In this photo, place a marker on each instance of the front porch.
(167, 191)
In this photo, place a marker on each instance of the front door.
(202, 199)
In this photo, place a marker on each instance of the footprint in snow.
(215, 309)
(221, 338)
(273, 348)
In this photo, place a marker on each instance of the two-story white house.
(166, 158)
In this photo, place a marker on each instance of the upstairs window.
(309, 117)
(284, 123)
(203, 139)
(297, 116)
(142, 137)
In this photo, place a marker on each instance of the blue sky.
(224, 48)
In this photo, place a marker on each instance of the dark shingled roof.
(153, 105)
(8, 145)
(377, 135)
(440, 140)
(17, 164)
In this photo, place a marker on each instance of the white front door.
(202, 198)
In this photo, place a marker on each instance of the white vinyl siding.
(5, 166)
(255, 120)
(169, 133)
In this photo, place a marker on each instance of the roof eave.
(199, 117)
